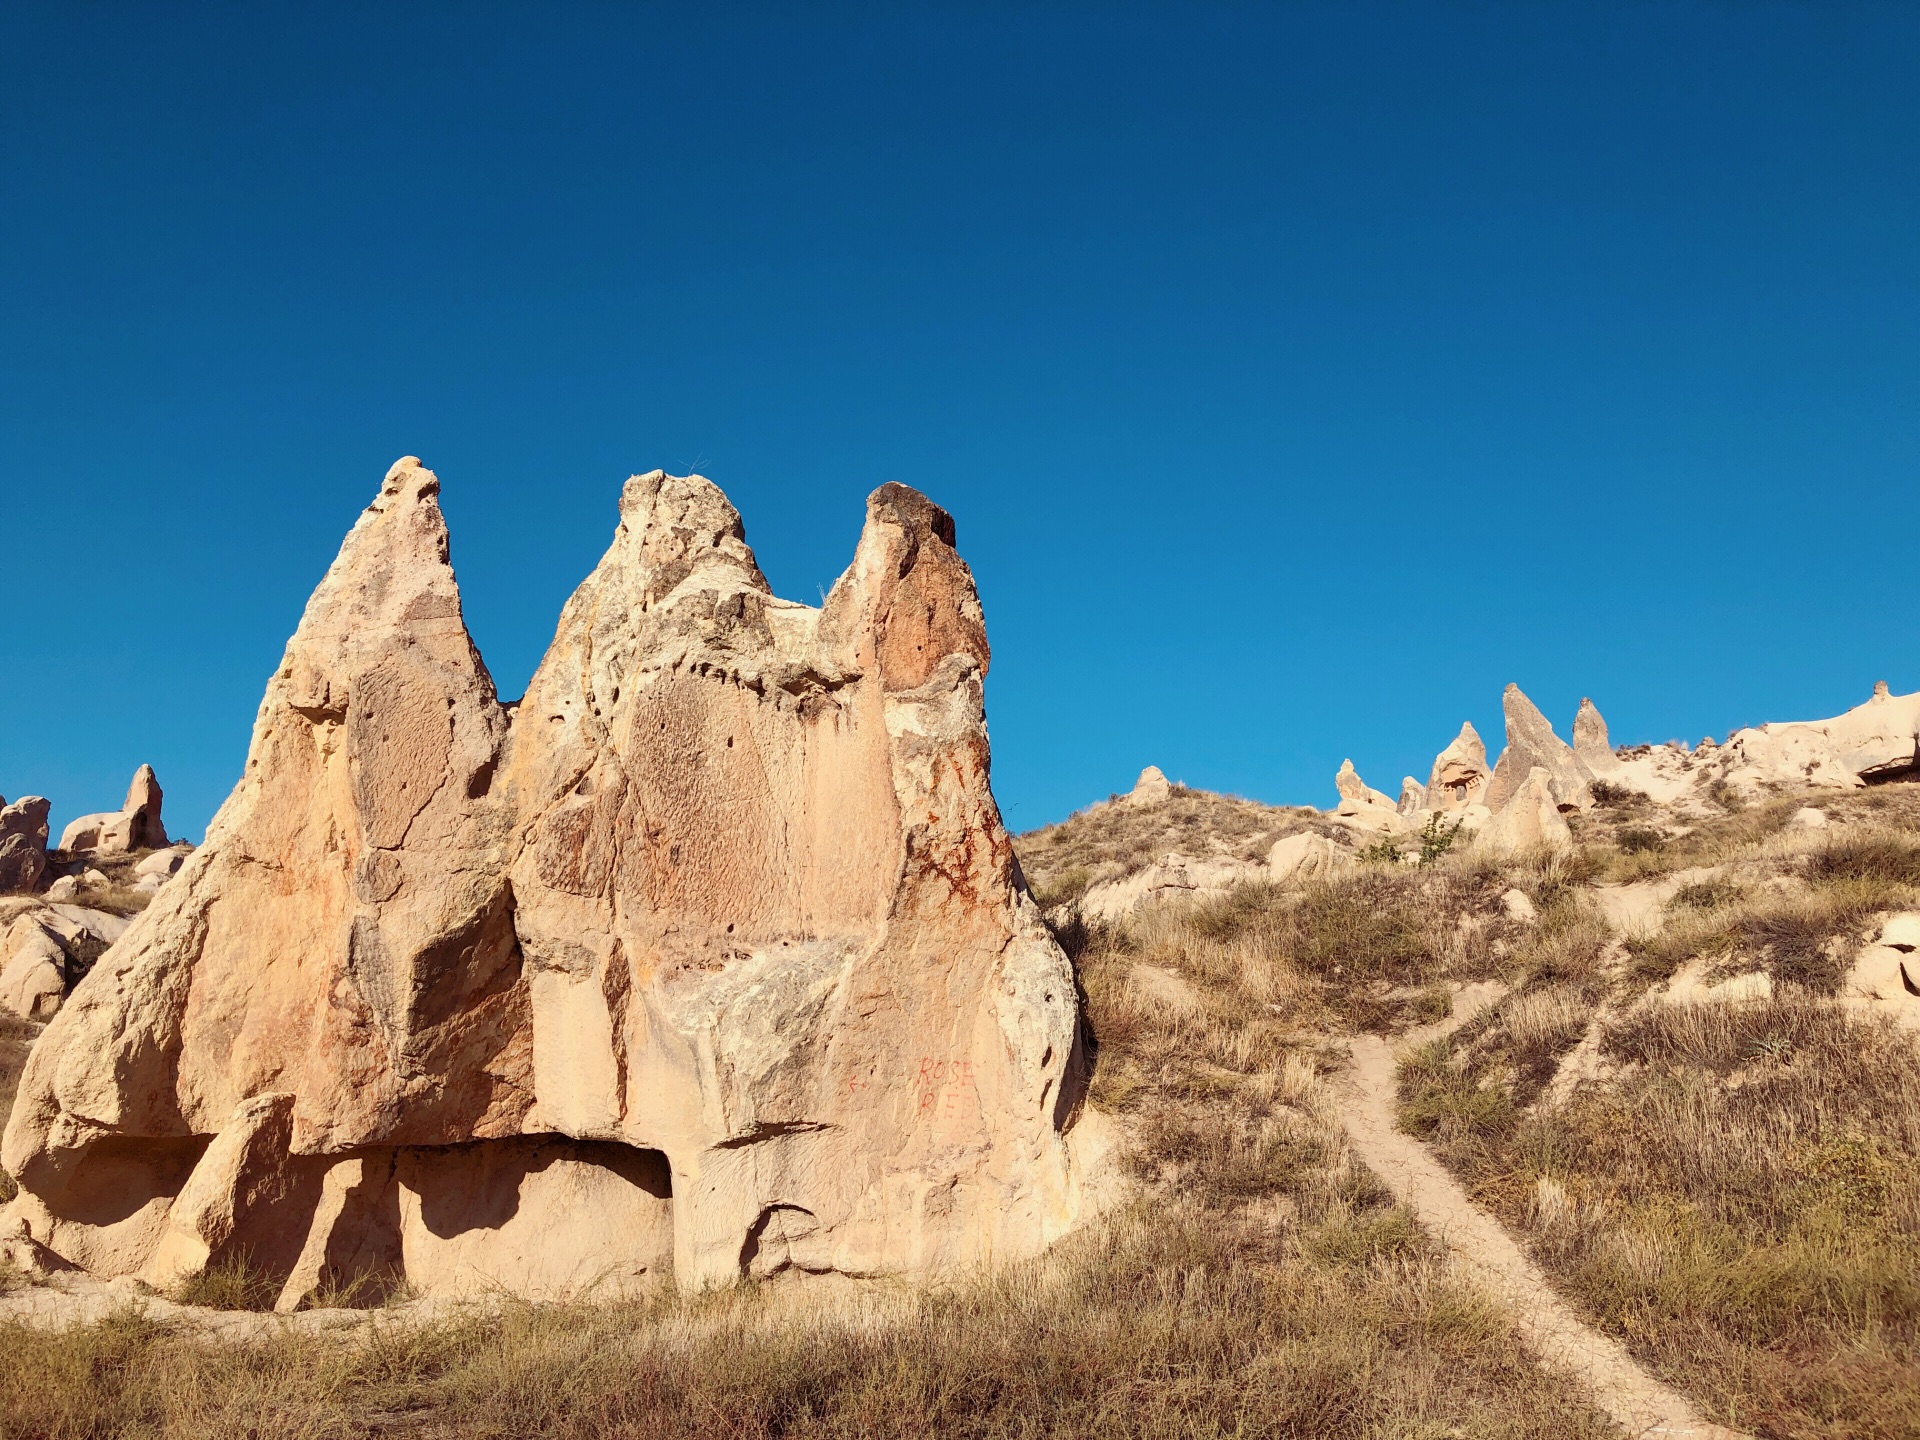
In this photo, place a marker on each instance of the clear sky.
(1298, 375)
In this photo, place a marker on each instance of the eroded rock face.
(1590, 743)
(1460, 772)
(1530, 820)
(1875, 741)
(135, 825)
(1361, 806)
(1150, 789)
(23, 843)
(1531, 745)
(711, 957)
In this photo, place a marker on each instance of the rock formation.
(1460, 773)
(1875, 741)
(1885, 977)
(1530, 819)
(134, 826)
(1413, 797)
(1590, 744)
(1150, 789)
(23, 843)
(710, 957)
(1298, 858)
(1172, 877)
(33, 969)
(1361, 806)
(1531, 745)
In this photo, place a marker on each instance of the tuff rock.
(710, 957)
(1590, 744)
(134, 826)
(1875, 741)
(1460, 773)
(23, 843)
(1361, 807)
(1532, 745)
(1530, 820)
(1150, 789)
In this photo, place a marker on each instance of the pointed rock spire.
(1531, 744)
(1460, 772)
(1590, 741)
(717, 946)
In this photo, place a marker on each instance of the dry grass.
(1737, 1194)
(1113, 840)
(1259, 1283)
(117, 896)
(1803, 928)
(1740, 1203)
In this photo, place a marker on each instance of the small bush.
(1618, 797)
(1639, 839)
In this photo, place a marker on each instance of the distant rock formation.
(134, 826)
(1530, 820)
(1532, 745)
(1590, 743)
(1150, 789)
(23, 843)
(1361, 806)
(1875, 741)
(1305, 856)
(709, 958)
(1460, 773)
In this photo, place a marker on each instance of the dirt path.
(1642, 1405)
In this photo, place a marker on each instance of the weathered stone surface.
(1885, 978)
(1531, 819)
(1150, 789)
(1531, 745)
(711, 958)
(1296, 859)
(1361, 806)
(33, 970)
(1413, 797)
(1460, 773)
(1877, 740)
(134, 826)
(1590, 744)
(162, 863)
(23, 843)
(1172, 877)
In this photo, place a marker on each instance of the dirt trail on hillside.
(1642, 1405)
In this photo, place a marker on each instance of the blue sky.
(1298, 375)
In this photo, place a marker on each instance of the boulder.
(1885, 977)
(23, 844)
(162, 863)
(1150, 789)
(1172, 877)
(1296, 859)
(33, 970)
(1590, 743)
(1460, 773)
(1532, 745)
(1531, 820)
(135, 826)
(710, 958)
